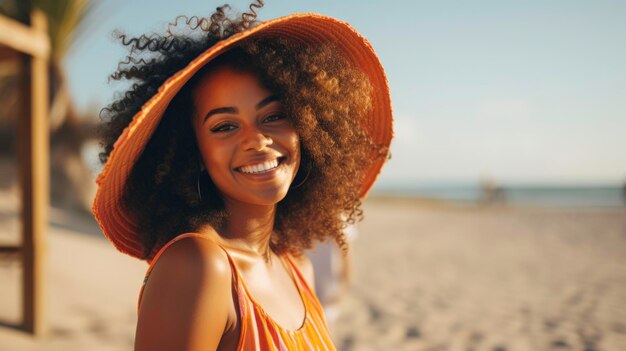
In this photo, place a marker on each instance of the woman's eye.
(273, 118)
(223, 128)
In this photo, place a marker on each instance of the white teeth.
(260, 168)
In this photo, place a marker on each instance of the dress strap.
(234, 272)
(306, 290)
(297, 275)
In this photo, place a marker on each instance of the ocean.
(541, 195)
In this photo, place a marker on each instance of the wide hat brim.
(115, 220)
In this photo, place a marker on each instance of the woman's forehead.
(225, 81)
(231, 90)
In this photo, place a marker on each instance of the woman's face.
(249, 147)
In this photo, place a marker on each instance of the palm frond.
(65, 18)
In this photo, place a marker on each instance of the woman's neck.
(250, 226)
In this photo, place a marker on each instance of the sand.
(445, 278)
(427, 276)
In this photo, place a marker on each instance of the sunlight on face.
(249, 147)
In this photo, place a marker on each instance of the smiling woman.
(230, 155)
(320, 94)
(250, 149)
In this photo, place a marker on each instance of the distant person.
(332, 274)
(239, 145)
(491, 192)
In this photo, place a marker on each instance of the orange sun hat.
(118, 224)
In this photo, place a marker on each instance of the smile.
(264, 167)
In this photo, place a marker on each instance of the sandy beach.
(431, 277)
(427, 276)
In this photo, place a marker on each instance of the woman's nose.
(255, 139)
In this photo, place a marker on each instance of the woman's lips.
(261, 168)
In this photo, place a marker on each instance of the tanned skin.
(188, 302)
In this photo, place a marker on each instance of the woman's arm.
(186, 301)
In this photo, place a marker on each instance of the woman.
(231, 153)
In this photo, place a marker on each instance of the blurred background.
(498, 224)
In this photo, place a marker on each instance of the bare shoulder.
(186, 300)
(304, 264)
(190, 256)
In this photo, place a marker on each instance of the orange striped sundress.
(258, 330)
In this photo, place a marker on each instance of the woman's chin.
(263, 197)
(272, 198)
(264, 191)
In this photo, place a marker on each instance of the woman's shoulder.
(191, 248)
(190, 261)
(190, 276)
(191, 252)
(189, 265)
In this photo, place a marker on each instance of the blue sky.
(518, 91)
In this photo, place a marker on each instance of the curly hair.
(324, 97)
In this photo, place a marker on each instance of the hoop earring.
(309, 166)
(198, 185)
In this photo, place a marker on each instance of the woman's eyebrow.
(234, 110)
(215, 111)
(266, 101)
